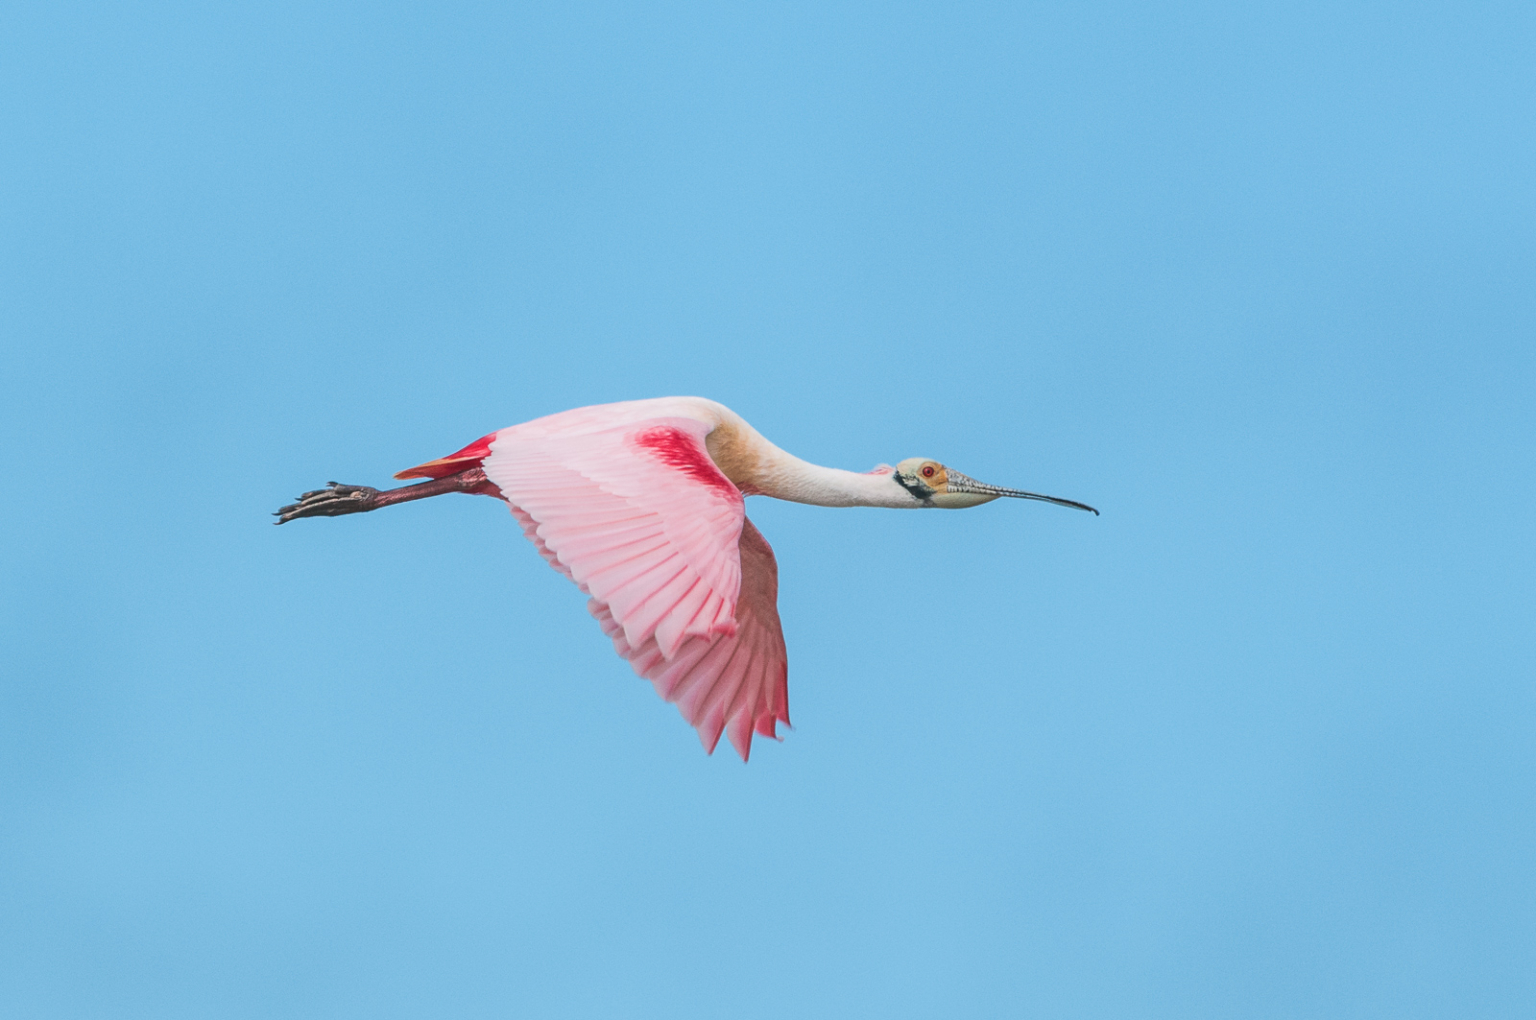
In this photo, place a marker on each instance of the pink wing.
(644, 522)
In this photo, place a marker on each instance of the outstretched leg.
(335, 500)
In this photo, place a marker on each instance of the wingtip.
(741, 735)
(709, 734)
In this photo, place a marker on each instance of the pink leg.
(336, 499)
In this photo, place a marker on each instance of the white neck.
(759, 467)
(789, 477)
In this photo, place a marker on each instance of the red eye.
(928, 471)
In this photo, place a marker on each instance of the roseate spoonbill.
(641, 505)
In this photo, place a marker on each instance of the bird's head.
(932, 484)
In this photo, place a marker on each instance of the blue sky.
(1258, 283)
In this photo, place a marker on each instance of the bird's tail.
(469, 457)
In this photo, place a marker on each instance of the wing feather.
(682, 583)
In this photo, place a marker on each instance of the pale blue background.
(1260, 741)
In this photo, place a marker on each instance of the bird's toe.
(332, 501)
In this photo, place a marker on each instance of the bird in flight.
(641, 504)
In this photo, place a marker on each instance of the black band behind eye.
(915, 487)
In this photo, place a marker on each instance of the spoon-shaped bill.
(965, 483)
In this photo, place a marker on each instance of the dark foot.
(332, 501)
(336, 499)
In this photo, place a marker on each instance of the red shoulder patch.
(677, 449)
